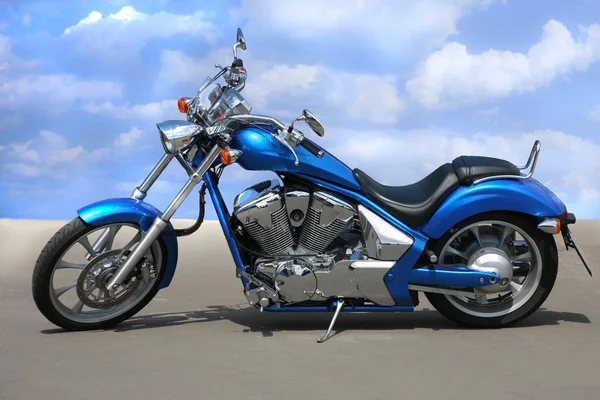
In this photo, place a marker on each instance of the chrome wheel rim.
(522, 252)
(80, 255)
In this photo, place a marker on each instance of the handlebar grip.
(311, 147)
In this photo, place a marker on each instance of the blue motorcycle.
(475, 236)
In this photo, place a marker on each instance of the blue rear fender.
(117, 210)
(526, 196)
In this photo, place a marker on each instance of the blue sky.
(401, 88)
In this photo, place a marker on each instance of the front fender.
(111, 211)
(526, 196)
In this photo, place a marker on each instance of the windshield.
(215, 102)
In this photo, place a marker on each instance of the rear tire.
(549, 268)
(48, 261)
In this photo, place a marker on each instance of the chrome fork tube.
(141, 191)
(161, 222)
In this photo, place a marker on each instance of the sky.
(401, 88)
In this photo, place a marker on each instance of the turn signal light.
(182, 104)
(226, 156)
(557, 226)
(550, 225)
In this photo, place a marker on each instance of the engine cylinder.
(264, 216)
(326, 219)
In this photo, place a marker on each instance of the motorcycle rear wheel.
(525, 296)
(100, 310)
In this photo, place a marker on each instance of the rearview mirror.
(313, 122)
(240, 42)
(240, 39)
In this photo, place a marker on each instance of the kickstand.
(340, 305)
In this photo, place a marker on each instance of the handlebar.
(312, 148)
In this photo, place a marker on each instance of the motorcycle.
(475, 236)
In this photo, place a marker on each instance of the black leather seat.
(414, 204)
(470, 168)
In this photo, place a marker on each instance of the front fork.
(161, 222)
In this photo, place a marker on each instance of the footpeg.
(340, 305)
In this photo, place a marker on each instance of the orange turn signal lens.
(557, 226)
(226, 156)
(182, 104)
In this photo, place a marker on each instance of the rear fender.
(526, 196)
(134, 211)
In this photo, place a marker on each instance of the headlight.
(177, 135)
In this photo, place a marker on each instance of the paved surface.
(198, 339)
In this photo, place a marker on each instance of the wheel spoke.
(475, 232)
(481, 299)
(505, 234)
(521, 257)
(457, 252)
(133, 241)
(112, 232)
(77, 307)
(65, 264)
(60, 291)
(86, 244)
(515, 287)
(521, 268)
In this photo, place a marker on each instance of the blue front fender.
(526, 196)
(112, 211)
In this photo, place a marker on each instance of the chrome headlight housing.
(177, 135)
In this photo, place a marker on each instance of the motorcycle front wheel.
(70, 275)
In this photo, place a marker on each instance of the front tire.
(533, 290)
(52, 260)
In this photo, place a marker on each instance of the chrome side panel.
(355, 279)
(383, 241)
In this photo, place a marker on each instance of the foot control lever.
(340, 305)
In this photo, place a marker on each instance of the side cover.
(526, 196)
(112, 211)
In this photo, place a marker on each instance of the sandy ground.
(198, 339)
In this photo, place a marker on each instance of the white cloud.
(382, 24)
(48, 156)
(594, 114)
(26, 19)
(128, 30)
(92, 18)
(577, 186)
(356, 96)
(53, 93)
(155, 111)
(452, 77)
(128, 138)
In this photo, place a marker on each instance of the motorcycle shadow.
(268, 323)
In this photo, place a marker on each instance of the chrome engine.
(295, 230)
(269, 219)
